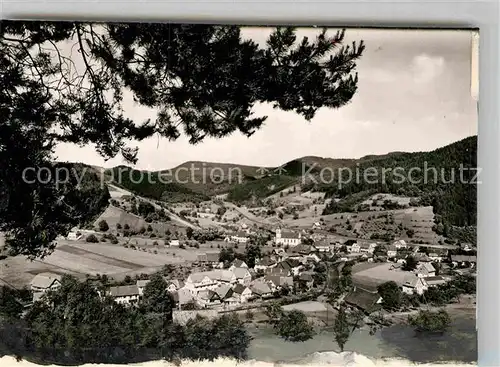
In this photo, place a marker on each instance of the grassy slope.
(151, 185)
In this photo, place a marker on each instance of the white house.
(174, 243)
(231, 302)
(197, 282)
(242, 275)
(354, 248)
(312, 257)
(207, 298)
(466, 246)
(400, 244)
(210, 259)
(414, 285)
(264, 264)
(174, 285)
(367, 248)
(316, 225)
(392, 251)
(243, 293)
(425, 270)
(74, 236)
(43, 283)
(435, 257)
(238, 264)
(125, 294)
(240, 237)
(287, 238)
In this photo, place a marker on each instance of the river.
(458, 344)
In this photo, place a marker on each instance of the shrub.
(103, 226)
(92, 238)
(429, 321)
(294, 326)
(249, 315)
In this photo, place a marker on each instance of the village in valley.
(188, 192)
(218, 257)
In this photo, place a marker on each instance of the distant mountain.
(455, 202)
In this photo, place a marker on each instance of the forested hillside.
(443, 178)
(151, 185)
(78, 195)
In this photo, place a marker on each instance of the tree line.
(78, 323)
(454, 198)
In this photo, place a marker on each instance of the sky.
(413, 95)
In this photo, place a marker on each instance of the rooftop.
(124, 291)
(363, 299)
(45, 280)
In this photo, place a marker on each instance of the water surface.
(458, 344)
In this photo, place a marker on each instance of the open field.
(113, 215)
(79, 259)
(307, 306)
(378, 274)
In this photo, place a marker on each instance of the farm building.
(306, 280)
(242, 275)
(425, 270)
(278, 282)
(463, 259)
(434, 281)
(392, 251)
(364, 300)
(125, 294)
(43, 283)
(197, 282)
(264, 264)
(367, 247)
(208, 298)
(400, 244)
(354, 248)
(174, 285)
(74, 236)
(414, 285)
(237, 263)
(244, 294)
(210, 259)
(238, 237)
(261, 289)
(182, 297)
